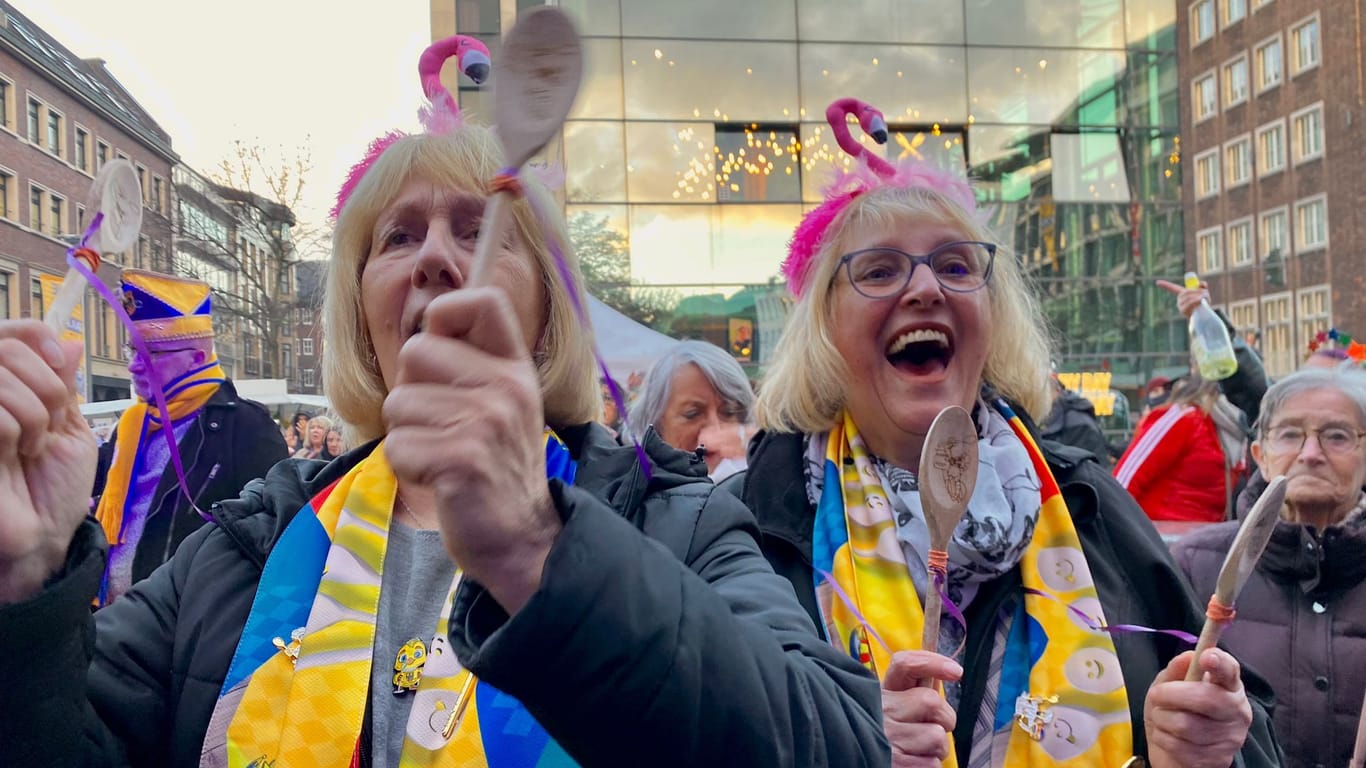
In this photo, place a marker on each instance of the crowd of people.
(490, 576)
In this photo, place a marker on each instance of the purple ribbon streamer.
(940, 584)
(1096, 625)
(572, 288)
(849, 603)
(135, 338)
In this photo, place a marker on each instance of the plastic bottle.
(1210, 344)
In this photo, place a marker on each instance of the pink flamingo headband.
(440, 115)
(870, 172)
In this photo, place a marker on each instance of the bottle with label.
(1210, 344)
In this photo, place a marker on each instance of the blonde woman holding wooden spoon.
(906, 305)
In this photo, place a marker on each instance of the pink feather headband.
(440, 115)
(870, 172)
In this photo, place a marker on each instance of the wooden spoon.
(538, 77)
(948, 475)
(1239, 563)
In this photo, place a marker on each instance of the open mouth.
(921, 352)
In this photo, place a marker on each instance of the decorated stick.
(116, 203)
(948, 475)
(1241, 560)
(542, 63)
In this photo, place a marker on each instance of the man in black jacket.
(223, 441)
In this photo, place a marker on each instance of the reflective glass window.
(1061, 23)
(595, 162)
(713, 19)
(922, 84)
(757, 163)
(671, 162)
(600, 90)
(477, 17)
(1088, 167)
(595, 17)
(899, 21)
(1006, 161)
(728, 244)
(1151, 24)
(730, 82)
(1023, 85)
(1151, 85)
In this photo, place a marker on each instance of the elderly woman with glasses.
(697, 397)
(1300, 617)
(905, 305)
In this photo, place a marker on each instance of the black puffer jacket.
(231, 442)
(712, 660)
(1302, 620)
(1134, 575)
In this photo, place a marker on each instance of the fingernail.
(52, 352)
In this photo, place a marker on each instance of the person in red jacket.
(1177, 467)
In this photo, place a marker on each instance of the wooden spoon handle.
(1209, 637)
(496, 214)
(929, 640)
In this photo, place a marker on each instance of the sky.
(290, 76)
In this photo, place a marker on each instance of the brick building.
(307, 343)
(61, 119)
(1273, 150)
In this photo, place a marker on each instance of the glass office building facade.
(699, 138)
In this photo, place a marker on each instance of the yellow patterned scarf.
(302, 702)
(184, 396)
(1061, 682)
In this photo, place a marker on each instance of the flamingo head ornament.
(870, 172)
(440, 115)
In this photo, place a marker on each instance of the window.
(1315, 311)
(306, 346)
(58, 207)
(35, 120)
(1273, 235)
(1268, 63)
(1234, 11)
(1271, 148)
(1205, 97)
(143, 185)
(1238, 162)
(1306, 131)
(1207, 173)
(1311, 223)
(771, 173)
(1235, 81)
(1240, 243)
(80, 218)
(6, 108)
(82, 149)
(35, 298)
(5, 278)
(54, 132)
(159, 194)
(1209, 251)
(6, 186)
(1278, 335)
(1304, 45)
(1243, 315)
(35, 208)
(306, 377)
(101, 154)
(1202, 21)
(140, 259)
(286, 362)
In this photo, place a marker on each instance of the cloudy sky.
(283, 74)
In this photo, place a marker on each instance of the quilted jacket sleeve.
(629, 656)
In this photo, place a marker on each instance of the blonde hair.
(466, 160)
(319, 421)
(804, 388)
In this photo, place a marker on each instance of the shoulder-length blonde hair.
(804, 388)
(465, 159)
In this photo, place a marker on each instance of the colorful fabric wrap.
(184, 396)
(302, 703)
(1064, 672)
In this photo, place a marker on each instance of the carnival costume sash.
(1060, 681)
(296, 691)
(184, 396)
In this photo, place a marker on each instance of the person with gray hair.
(1299, 615)
(698, 396)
